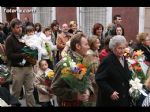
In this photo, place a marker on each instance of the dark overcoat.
(112, 76)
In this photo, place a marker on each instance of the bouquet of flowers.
(4, 74)
(49, 75)
(76, 75)
(138, 68)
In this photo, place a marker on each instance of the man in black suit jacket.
(113, 76)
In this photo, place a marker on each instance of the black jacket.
(110, 77)
(14, 52)
(8, 98)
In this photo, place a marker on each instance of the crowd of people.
(100, 57)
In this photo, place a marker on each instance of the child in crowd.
(31, 40)
(48, 54)
(45, 97)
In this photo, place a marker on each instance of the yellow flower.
(50, 74)
(66, 71)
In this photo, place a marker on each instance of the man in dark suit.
(113, 76)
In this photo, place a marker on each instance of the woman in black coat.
(113, 76)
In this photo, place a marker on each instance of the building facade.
(135, 19)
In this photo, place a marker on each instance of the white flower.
(72, 65)
(65, 64)
(64, 59)
(141, 59)
(136, 85)
(131, 61)
(65, 55)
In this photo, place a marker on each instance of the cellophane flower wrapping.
(4, 74)
(138, 75)
(31, 54)
(76, 75)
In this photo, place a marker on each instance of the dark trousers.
(6, 85)
(46, 104)
(21, 93)
(36, 97)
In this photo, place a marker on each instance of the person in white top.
(31, 40)
(48, 56)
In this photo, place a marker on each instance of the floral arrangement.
(138, 68)
(76, 75)
(49, 75)
(4, 74)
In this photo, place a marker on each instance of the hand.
(115, 96)
(83, 97)
(43, 92)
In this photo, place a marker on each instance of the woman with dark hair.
(38, 29)
(98, 31)
(105, 51)
(55, 31)
(119, 30)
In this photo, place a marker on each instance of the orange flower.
(138, 53)
(137, 68)
(80, 65)
(83, 71)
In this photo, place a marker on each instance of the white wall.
(0, 14)
(141, 19)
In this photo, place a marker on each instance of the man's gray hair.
(114, 41)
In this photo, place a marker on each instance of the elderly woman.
(113, 76)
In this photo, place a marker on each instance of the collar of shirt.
(77, 56)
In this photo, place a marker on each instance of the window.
(43, 15)
(147, 22)
(88, 16)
